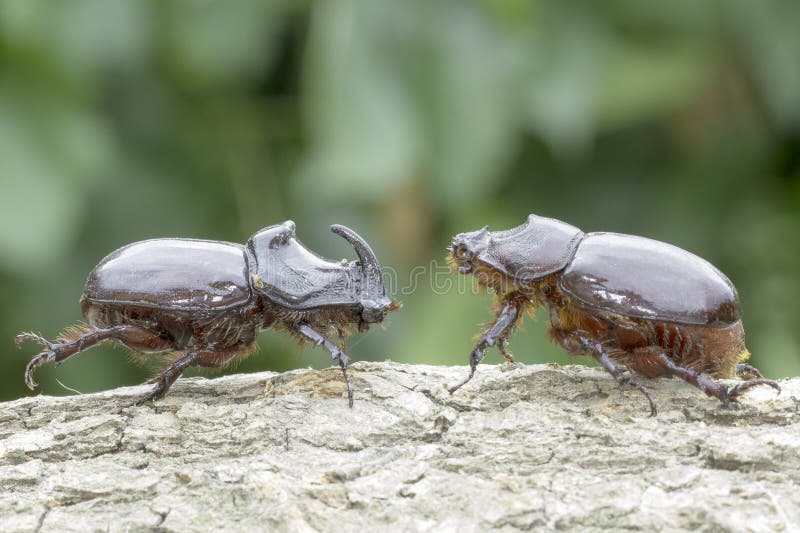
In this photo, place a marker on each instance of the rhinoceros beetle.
(208, 300)
(650, 306)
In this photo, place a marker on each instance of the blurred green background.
(409, 121)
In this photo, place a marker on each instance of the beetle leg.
(342, 338)
(698, 379)
(728, 396)
(502, 345)
(336, 353)
(207, 357)
(505, 319)
(58, 352)
(596, 349)
(165, 380)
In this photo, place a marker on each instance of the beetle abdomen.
(639, 343)
(643, 278)
(180, 274)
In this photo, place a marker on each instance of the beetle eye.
(461, 251)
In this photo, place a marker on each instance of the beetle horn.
(369, 263)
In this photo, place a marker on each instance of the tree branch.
(540, 447)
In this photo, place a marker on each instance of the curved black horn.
(369, 263)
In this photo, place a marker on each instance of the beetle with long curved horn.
(206, 301)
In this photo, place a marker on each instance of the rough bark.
(530, 447)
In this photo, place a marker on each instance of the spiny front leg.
(336, 353)
(502, 325)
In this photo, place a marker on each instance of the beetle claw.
(626, 379)
(159, 390)
(46, 356)
(733, 393)
(743, 369)
(33, 364)
(454, 388)
(502, 345)
(35, 337)
(153, 395)
(475, 359)
(343, 364)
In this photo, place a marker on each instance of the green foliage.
(409, 120)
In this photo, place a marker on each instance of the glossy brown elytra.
(652, 307)
(208, 300)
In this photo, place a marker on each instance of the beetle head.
(368, 287)
(467, 248)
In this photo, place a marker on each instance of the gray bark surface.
(520, 447)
